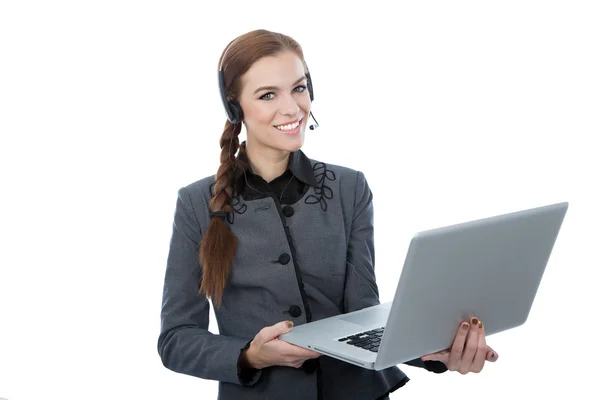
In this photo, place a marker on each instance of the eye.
(265, 96)
(271, 95)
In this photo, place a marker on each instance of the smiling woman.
(264, 82)
(274, 239)
(275, 113)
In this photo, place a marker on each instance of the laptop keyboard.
(368, 340)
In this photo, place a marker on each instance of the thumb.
(271, 332)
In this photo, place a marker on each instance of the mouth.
(290, 128)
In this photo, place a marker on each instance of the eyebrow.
(276, 88)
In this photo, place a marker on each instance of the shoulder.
(196, 195)
(348, 178)
(201, 186)
(348, 183)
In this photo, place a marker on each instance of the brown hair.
(219, 244)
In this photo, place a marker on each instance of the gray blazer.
(318, 261)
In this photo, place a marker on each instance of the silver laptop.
(490, 268)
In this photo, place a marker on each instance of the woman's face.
(275, 100)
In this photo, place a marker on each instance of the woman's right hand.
(266, 349)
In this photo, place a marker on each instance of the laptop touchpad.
(371, 317)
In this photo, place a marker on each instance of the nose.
(289, 106)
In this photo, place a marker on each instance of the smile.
(288, 127)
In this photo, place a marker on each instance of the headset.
(233, 108)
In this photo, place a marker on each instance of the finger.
(305, 353)
(480, 355)
(292, 351)
(302, 352)
(470, 346)
(491, 355)
(439, 356)
(457, 347)
(271, 332)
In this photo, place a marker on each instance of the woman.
(277, 239)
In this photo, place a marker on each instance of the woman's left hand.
(469, 352)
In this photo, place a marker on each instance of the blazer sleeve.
(360, 289)
(185, 345)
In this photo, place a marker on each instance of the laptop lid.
(490, 268)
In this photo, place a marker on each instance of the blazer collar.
(298, 164)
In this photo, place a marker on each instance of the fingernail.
(493, 355)
(465, 326)
(474, 321)
(289, 324)
(480, 324)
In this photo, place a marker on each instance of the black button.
(288, 211)
(284, 258)
(295, 311)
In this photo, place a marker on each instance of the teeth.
(288, 127)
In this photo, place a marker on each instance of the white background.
(454, 110)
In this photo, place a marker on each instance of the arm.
(185, 345)
(361, 288)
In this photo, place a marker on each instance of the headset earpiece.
(237, 115)
(309, 86)
(232, 107)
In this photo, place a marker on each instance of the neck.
(267, 162)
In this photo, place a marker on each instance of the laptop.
(490, 268)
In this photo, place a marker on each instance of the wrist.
(249, 358)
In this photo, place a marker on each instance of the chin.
(292, 144)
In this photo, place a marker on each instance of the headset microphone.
(315, 125)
